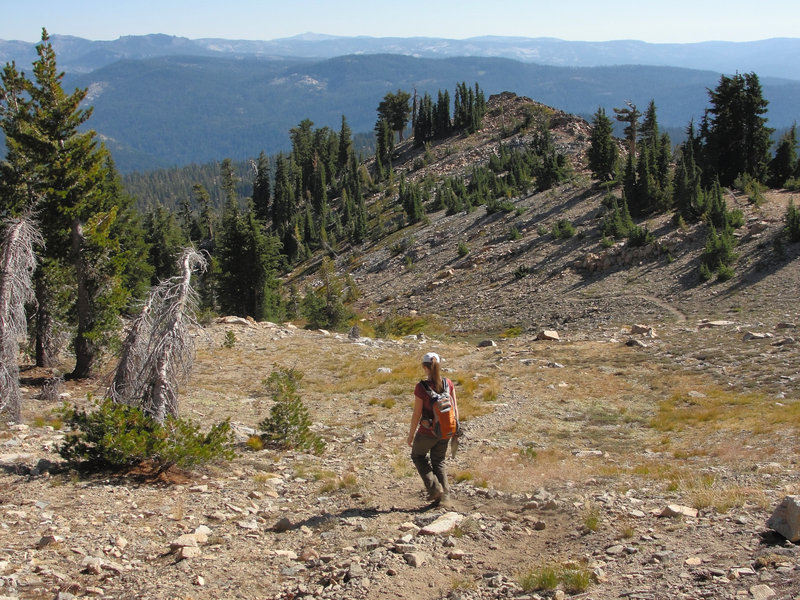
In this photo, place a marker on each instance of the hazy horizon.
(678, 22)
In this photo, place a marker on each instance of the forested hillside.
(178, 110)
(321, 209)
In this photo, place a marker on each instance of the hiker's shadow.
(329, 520)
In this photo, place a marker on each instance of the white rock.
(548, 335)
(677, 510)
(231, 320)
(785, 518)
(416, 559)
(443, 524)
(752, 335)
(710, 324)
(92, 565)
(189, 552)
(187, 540)
(762, 592)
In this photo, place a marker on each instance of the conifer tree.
(424, 121)
(629, 115)
(166, 241)
(687, 194)
(262, 191)
(345, 146)
(62, 172)
(603, 153)
(736, 136)
(395, 110)
(383, 149)
(442, 124)
(784, 164)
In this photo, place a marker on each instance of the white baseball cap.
(428, 358)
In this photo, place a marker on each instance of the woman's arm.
(415, 417)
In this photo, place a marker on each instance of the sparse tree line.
(729, 149)
(83, 256)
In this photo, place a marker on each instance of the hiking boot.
(435, 492)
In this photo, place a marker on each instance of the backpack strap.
(431, 391)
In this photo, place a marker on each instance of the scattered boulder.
(548, 335)
(785, 518)
(443, 524)
(416, 559)
(677, 510)
(753, 335)
(645, 330)
(713, 324)
(232, 320)
(762, 592)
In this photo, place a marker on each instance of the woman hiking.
(428, 449)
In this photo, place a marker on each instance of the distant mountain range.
(775, 57)
(161, 100)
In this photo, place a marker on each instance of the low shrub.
(521, 272)
(563, 229)
(400, 326)
(792, 220)
(572, 578)
(117, 437)
(230, 339)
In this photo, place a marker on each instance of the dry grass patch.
(509, 471)
(474, 393)
(649, 469)
(726, 410)
(347, 375)
(402, 467)
(348, 481)
(705, 491)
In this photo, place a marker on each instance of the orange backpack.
(445, 424)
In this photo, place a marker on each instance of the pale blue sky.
(591, 20)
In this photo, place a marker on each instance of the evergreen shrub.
(792, 220)
(289, 424)
(118, 436)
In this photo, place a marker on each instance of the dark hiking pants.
(431, 466)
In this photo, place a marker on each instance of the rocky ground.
(562, 465)
(636, 462)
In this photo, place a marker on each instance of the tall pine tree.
(59, 169)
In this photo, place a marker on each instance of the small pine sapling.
(289, 424)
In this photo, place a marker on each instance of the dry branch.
(20, 236)
(159, 350)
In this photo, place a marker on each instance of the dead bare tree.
(159, 350)
(20, 236)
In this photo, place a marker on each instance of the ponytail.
(436, 375)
